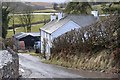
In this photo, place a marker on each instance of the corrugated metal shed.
(22, 34)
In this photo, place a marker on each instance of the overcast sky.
(58, 1)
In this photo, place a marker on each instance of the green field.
(21, 29)
(99, 7)
(36, 18)
(46, 17)
(46, 11)
(34, 28)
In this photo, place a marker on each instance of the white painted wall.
(48, 40)
(65, 28)
(49, 37)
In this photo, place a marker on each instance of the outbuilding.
(26, 40)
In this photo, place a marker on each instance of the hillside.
(45, 4)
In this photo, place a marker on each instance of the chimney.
(60, 15)
(53, 17)
(95, 13)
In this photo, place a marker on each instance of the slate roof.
(81, 20)
(22, 35)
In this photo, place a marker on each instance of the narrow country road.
(32, 67)
(36, 69)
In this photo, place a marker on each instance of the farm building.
(25, 40)
(61, 25)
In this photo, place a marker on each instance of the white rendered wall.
(65, 28)
(49, 37)
(48, 40)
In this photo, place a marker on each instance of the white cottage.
(61, 25)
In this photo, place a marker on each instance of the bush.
(2, 46)
(89, 39)
(9, 43)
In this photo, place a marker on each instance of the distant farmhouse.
(25, 40)
(60, 25)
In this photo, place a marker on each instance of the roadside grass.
(101, 62)
(34, 28)
(54, 61)
(60, 62)
(32, 52)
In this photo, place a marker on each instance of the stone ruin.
(9, 64)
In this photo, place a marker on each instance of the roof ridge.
(81, 20)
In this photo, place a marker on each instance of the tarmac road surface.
(32, 67)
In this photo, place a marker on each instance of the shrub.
(89, 39)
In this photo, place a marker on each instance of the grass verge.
(101, 62)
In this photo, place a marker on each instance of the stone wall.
(9, 64)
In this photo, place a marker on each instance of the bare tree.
(13, 22)
(7, 8)
(0, 20)
(26, 18)
(21, 19)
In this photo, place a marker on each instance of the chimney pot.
(95, 13)
(60, 15)
(53, 17)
